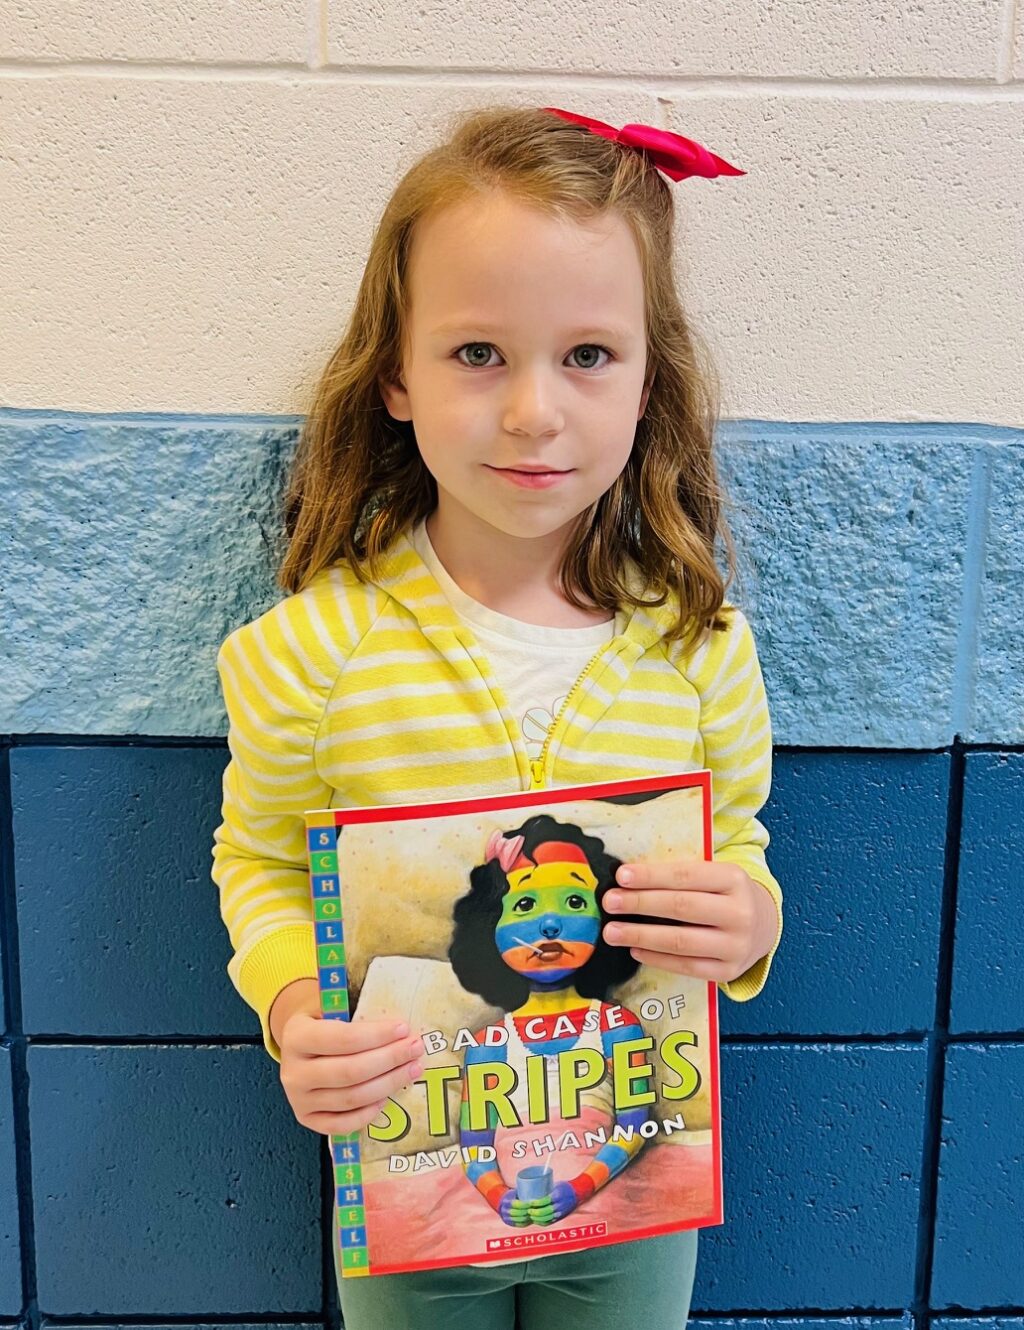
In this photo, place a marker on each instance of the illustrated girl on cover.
(528, 938)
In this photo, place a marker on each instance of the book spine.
(325, 884)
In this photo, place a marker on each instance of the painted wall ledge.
(883, 570)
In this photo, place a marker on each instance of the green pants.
(641, 1284)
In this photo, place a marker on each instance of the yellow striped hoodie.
(350, 693)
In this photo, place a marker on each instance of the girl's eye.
(477, 355)
(473, 350)
(576, 903)
(590, 353)
(523, 905)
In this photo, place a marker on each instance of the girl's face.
(550, 921)
(524, 366)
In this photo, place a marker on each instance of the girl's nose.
(531, 408)
(550, 926)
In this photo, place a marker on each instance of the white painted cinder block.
(195, 243)
(870, 266)
(200, 30)
(837, 38)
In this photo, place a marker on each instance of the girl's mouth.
(528, 479)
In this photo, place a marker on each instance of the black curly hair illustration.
(474, 954)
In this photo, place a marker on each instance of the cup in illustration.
(534, 1183)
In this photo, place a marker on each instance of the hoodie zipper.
(537, 764)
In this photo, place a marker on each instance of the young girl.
(503, 522)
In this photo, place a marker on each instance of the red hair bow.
(671, 153)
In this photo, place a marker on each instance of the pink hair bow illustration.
(504, 848)
(671, 153)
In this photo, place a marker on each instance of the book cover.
(569, 1096)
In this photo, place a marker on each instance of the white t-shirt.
(534, 666)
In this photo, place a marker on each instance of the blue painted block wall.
(150, 1171)
(874, 1145)
(882, 568)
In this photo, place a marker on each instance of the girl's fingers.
(682, 875)
(340, 1124)
(353, 1098)
(695, 967)
(692, 907)
(352, 1069)
(314, 1037)
(689, 940)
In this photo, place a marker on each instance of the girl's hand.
(714, 920)
(338, 1075)
(559, 1202)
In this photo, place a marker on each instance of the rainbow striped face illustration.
(550, 919)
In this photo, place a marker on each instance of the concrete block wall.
(188, 195)
(149, 1166)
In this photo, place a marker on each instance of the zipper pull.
(536, 774)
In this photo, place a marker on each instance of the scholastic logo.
(520, 1241)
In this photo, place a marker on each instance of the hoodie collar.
(409, 582)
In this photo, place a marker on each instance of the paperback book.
(569, 1096)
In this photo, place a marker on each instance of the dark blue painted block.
(10, 1256)
(198, 1325)
(800, 1323)
(822, 1147)
(857, 844)
(979, 1221)
(171, 1181)
(118, 917)
(988, 975)
(978, 1323)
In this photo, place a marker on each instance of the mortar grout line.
(840, 1316)
(316, 34)
(1004, 70)
(639, 83)
(938, 1042)
(218, 741)
(734, 431)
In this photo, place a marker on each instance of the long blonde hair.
(358, 479)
